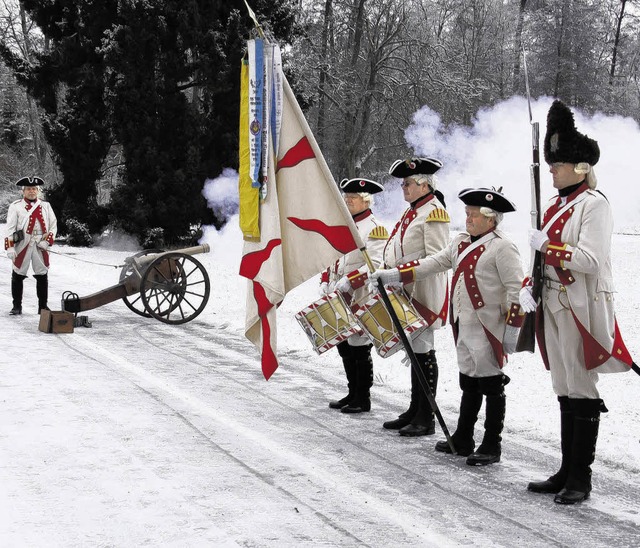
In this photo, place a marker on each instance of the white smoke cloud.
(496, 151)
(221, 193)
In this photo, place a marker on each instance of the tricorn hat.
(487, 197)
(30, 181)
(414, 166)
(360, 185)
(563, 142)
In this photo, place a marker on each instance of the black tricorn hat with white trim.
(30, 181)
(414, 166)
(487, 197)
(563, 142)
(360, 185)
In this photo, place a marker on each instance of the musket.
(527, 336)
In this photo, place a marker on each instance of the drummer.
(422, 230)
(486, 318)
(348, 276)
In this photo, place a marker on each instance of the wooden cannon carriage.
(170, 286)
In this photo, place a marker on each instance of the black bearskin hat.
(563, 142)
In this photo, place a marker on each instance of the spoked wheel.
(175, 288)
(134, 302)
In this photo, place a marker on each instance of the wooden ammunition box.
(56, 321)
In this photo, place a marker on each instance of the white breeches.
(475, 354)
(569, 376)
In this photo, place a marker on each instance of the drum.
(378, 325)
(328, 321)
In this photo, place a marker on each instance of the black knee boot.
(16, 293)
(586, 422)
(361, 402)
(42, 291)
(470, 405)
(490, 449)
(405, 418)
(422, 423)
(556, 482)
(349, 368)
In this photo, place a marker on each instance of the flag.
(305, 225)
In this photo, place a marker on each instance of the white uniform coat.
(38, 222)
(577, 296)
(374, 235)
(487, 277)
(423, 230)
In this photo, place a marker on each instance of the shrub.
(154, 239)
(78, 233)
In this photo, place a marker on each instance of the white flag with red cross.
(305, 226)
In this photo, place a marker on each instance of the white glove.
(11, 253)
(537, 239)
(510, 339)
(343, 285)
(43, 244)
(388, 277)
(324, 289)
(527, 302)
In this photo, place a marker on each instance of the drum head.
(327, 322)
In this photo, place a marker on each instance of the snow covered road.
(137, 433)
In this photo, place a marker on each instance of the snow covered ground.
(138, 433)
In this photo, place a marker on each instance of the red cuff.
(557, 254)
(49, 238)
(7, 243)
(324, 277)
(408, 272)
(357, 280)
(515, 317)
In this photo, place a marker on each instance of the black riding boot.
(495, 406)
(583, 450)
(556, 482)
(42, 291)
(16, 293)
(422, 423)
(470, 405)
(361, 401)
(406, 417)
(349, 368)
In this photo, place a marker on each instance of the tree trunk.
(324, 63)
(616, 41)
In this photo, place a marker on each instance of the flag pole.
(254, 19)
(410, 353)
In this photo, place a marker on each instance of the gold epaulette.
(379, 233)
(438, 215)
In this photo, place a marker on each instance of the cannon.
(170, 286)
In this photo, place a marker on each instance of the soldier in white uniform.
(31, 230)
(348, 276)
(485, 315)
(577, 331)
(422, 230)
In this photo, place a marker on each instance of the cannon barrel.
(142, 262)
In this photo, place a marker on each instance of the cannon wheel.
(134, 302)
(175, 288)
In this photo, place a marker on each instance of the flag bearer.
(577, 331)
(31, 230)
(485, 315)
(348, 276)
